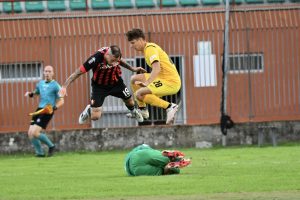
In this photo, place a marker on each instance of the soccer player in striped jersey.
(106, 65)
(162, 81)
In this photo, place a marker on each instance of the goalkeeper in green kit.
(145, 161)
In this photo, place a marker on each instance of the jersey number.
(126, 92)
(157, 83)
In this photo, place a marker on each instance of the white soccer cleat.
(85, 115)
(143, 112)
(171, 112)
(137, 115)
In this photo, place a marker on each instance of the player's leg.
(96, 113)
(160, 87)
(35, 142)
(134, 87)
(90, 112)
(134, 113)
(121, 91)
(40, 124)
(147, 170)
(93, 111)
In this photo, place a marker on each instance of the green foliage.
(220, 173)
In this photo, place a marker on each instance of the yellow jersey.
(168, 71)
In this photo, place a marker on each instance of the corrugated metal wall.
(65, 42)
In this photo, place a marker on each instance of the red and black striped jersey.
(103, 73)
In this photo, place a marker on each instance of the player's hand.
(62, 92)
(139, 70)
(48, 109)
(26, 94)
(140, 83)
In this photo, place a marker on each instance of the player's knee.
(139, 95)
(133, 79)
(30, 134)
(33, 132)
(96, 113)
(94, 118)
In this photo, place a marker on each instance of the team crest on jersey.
(152, 58)
(107, 66)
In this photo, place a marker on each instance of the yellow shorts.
(162, 87)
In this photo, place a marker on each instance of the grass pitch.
(235, 173)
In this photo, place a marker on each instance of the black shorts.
(41, 120)
(100, 92)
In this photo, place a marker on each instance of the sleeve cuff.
(82, 69)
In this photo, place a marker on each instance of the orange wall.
(65, 42)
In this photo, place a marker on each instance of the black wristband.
(54, 108)
(31, 94)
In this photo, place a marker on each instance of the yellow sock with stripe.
(156, 101)
(134, 88)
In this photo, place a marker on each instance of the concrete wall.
(156, 136)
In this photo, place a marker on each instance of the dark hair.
(135, 33)
(116, 51)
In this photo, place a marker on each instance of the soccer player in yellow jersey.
(162, 81)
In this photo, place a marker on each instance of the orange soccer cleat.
(173, 154)
(179, 164)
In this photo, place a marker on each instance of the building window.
(20, 71)
(244, 63)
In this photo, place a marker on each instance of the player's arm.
(59, 103)
(92, 62)
(30, 94)
(72, 77)
(154, 73)
(124, 64)
(36, 92)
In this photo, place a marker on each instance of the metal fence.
(264, 77)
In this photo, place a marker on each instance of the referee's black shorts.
(41, 120)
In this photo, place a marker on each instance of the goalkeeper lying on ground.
(143, 160)
(47, 90)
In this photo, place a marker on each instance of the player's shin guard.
(43, 137)
(155, 101)
(37, 146)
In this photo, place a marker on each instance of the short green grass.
(233, 173)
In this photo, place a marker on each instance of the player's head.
(48, 73)
(136, 38)
(113, 55)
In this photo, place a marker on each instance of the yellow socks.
(155, 101)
